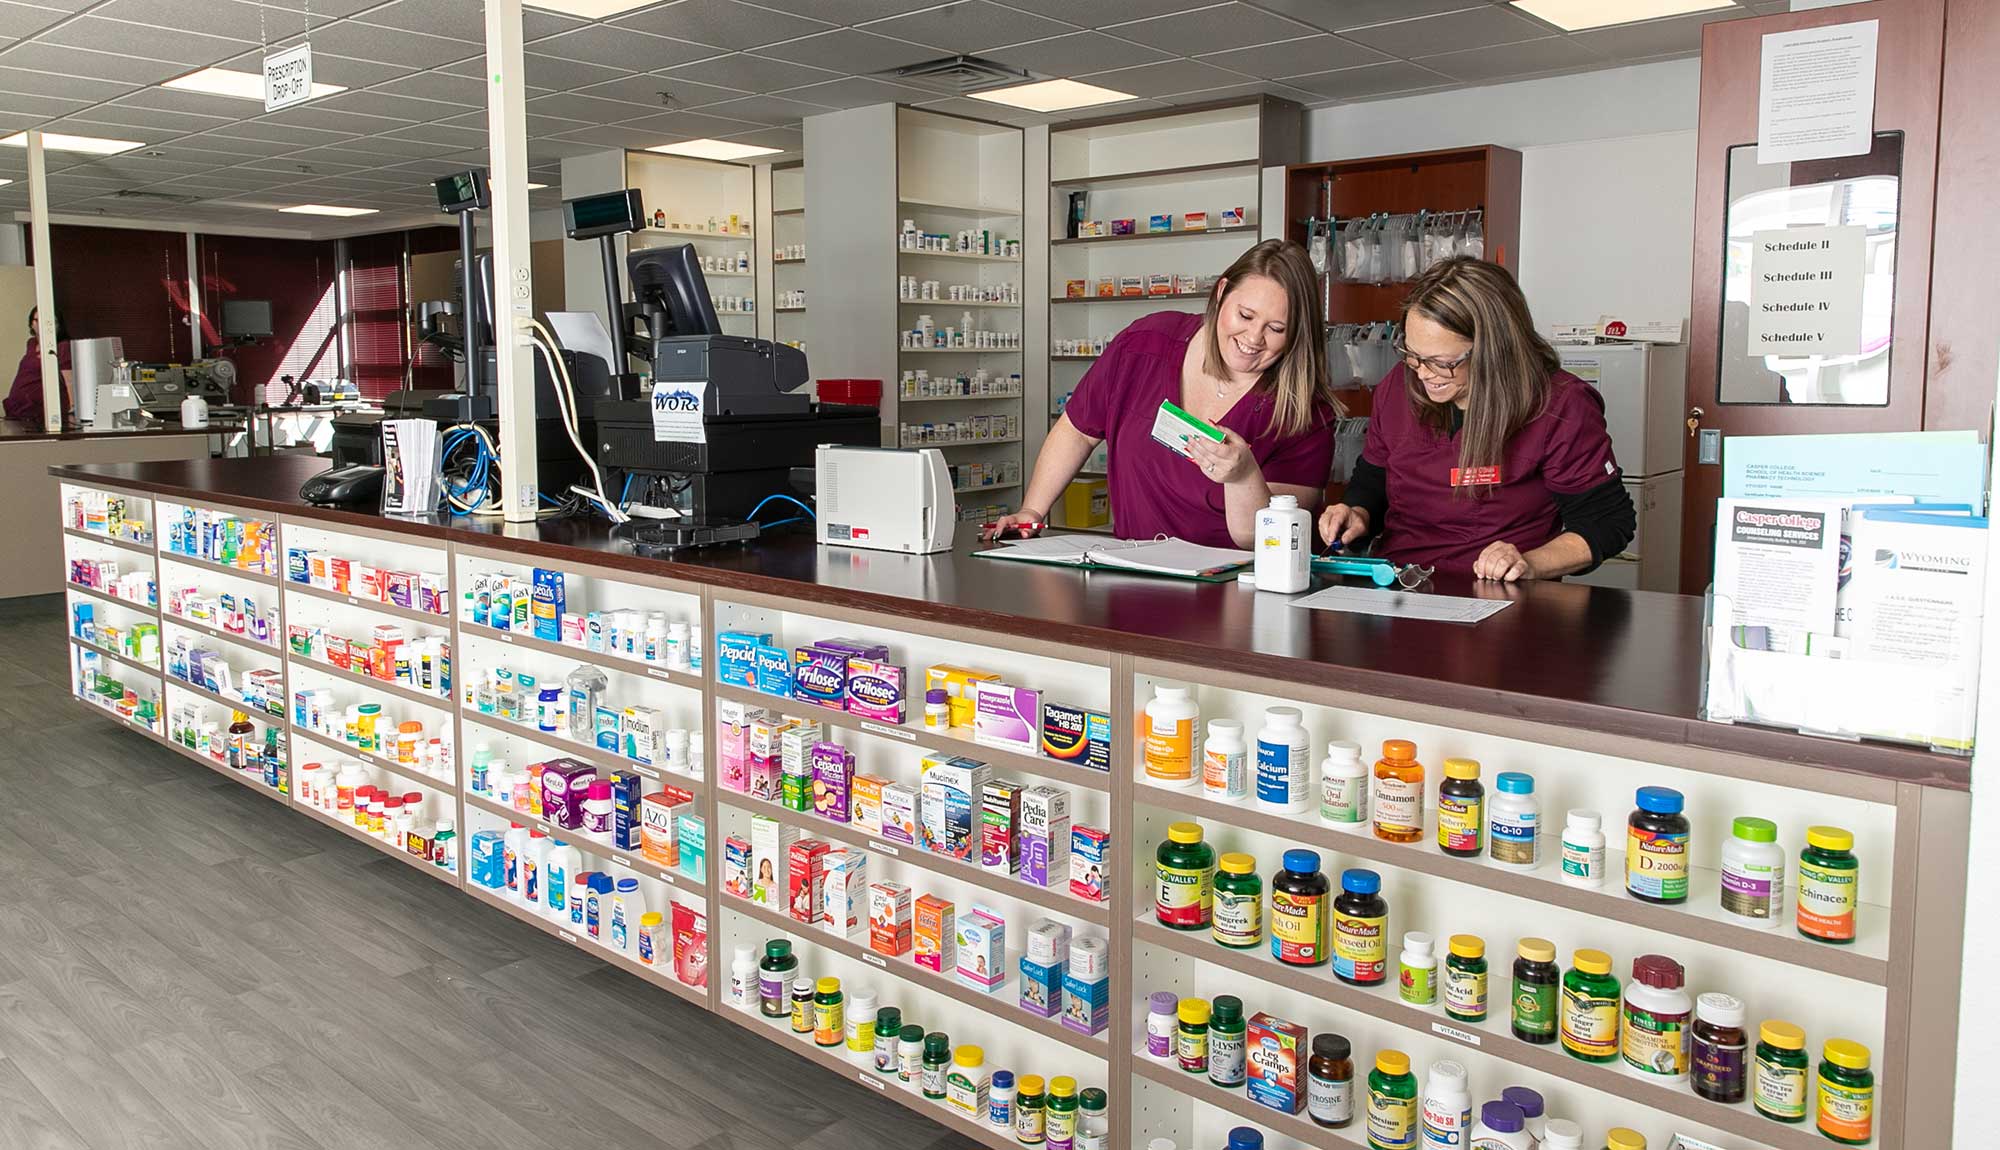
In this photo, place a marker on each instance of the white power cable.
(545, 342)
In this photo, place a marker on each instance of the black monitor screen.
(246, 318)
(668, 286)
(610, 214)
(464, 192)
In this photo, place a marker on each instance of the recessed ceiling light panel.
(326, 210)
(714, 150)
(1052, 95)
(237, 85)
(59, 142)
(1576, 15)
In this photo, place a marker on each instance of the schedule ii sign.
(1805, 290)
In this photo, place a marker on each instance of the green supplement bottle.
(1392, 1102)
(910, 1054)
(888, 1036)
(1031, 1111)
(1465, 978)
(1238, 902)
(1062, 1119)
(1185, 868)
(1846, 1104)
(1828, 872)
(1537, 990)
(1588, 1021)
(937, 1058)
(1778, 1080)
(1228, 1035)
(774, 978)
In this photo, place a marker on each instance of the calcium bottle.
(1283, 546)
(1223, 759)
(1284, 763)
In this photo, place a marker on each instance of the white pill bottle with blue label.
(1283, 546)
(1284, 762)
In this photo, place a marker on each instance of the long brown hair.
(1507, 377)
(1298, 382)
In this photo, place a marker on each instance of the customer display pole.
(513, 282)
(468, 320)
(607, 247)
(45, 284)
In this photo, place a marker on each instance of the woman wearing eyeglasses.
(1482, 454)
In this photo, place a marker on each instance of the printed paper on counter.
(1777, 568)
(1816, 93)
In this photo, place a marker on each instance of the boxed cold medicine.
(1045, 835)
(934, 934)
(865, 803)
(833, 770)
(982, 948)
(1007, 717)
(948, 810)
(1275, 1052)
(889, 918)
(845, 889)
(1089, 854)
(806, 884)
(1000, 827)
(770, 848)
(899, 813)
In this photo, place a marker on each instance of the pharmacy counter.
(26, 455)
(1593, 692)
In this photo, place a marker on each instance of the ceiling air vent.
(155, 197)
(958, 75)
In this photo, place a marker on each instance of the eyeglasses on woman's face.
(1444, 368)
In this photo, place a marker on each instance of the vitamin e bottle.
(1399, 793)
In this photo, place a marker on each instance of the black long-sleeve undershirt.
(1603, 516)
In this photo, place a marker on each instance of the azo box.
(659, 841)
(951, 788)
(833, 771)
(982, 948)
(875, 690)
(1275, 1050)
(845, 890)
(1045, 835)
(1089, 853)
(1041, 987)
(806, 885)
(864, 803)
(1000, 827)
(1007, 717)
(889, 918)
(934, 934)
(1076, 735)
(770, 849)
(899, 813)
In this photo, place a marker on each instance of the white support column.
(45, 283)
(194, 297)
(513, 281)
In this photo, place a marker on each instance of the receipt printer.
(884, 499)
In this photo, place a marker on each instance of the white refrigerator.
(1644, 386)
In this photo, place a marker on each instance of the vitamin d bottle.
(1656, 847)
(1753, 873)
(1399, 793)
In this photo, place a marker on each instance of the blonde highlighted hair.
(1297, 383)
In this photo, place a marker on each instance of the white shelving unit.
(788, 272)
(713, 206)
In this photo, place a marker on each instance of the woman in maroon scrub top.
(1482, 454)
(1253, 366)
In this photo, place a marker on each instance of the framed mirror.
(1809, 278)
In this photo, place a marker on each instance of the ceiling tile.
(1368, 80)
(291, 135)
(452, 19)
(766, 110)
(19, 20)
(66, 61)
(552, 125)
(386, 145)
(144, 167)
(1339, 15)
(748, 73)
(659, 92)
(90, 123)
(789, 139)
(19, 104)
(856, 92)
(1527, 58)
(214, 17)
(849, 51)
(1165, 78)
(1653, 37)
(1451, 32)
(328, 119)
(723, 23)
(632, 51)
(298, 169)
(1239, 91)
(354, 153)
(385, 45)
(852, 11)
(190, 49)
(1296, 57)
(218, 108)
(681, 126)
(547, 73)
(1104, 13)
(555, 149)
(374, 103)
(69, 87)
(462, 90)
(329, 68)
(970, 26)
(1232, 25)
(439, 134)
(589, 109)
(1077, 53)
(613, 137)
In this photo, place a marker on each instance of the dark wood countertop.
(13, 431)
(1623, 663)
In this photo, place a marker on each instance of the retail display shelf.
(382, 605)
(699, 234)
(1057, 899)
(1353, 1136)
(603, 659)
(793, 260)
(220, 699)
(110, 541)
(1069, 358)
(215, 632)
(779, 1030)
(1493, 1037)
(917, 735)
(976, 257)
(122, 720)
(1001, 1002)
(955, 398)
(657, 976)
(984, 487)
(788, 211)
(1219, 169)
(347, 827)
(1153, 298)
(421, 698)
(401, 770)
(961, 351)
(596, 756)
(734, 311)
(1697, 920)
(1187, 234)
(633, 861)
(115, 601)
(115, 657)
(253, 780)
(788, 310)
(966, 442)
(960, 206)
(224, 568)
(948, 304)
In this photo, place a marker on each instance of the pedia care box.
(1045, 836)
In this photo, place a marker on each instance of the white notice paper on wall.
(1805, 290)
(1816, 93)
(677, 412)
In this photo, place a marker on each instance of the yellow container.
(1086, 503)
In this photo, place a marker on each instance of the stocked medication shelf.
(401, 770)
(973, 257)
(249, 779)
(633, 861)
(394, 851)
(131, 721)
(1150, 298)
(1353, 1136)
(1187, 234)
(603, 659)
(945, 305)
(384, 607)
(371, 682)
(115, 601)
(142, 668)
(662, 978)
(596, 756)
(1217, 170)
(223, 700)
(224, 568)
(110, 541)
(244, 641)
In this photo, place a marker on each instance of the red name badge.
(1475, 477)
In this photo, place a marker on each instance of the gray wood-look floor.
(184, 964)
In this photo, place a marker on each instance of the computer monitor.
(246, 319)
(608, 214)
(669, 290)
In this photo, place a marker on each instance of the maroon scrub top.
(1154, 489)
(1565, 450)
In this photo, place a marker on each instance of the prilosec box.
(875, 690)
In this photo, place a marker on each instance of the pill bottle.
(1284, 761)
(1718, 1046)
(888, 1038)
(1502, 1126)
(774, 976)
(1533, 1109)
(1031, 1115)
(1000, 1100)
(966, 1085)
(1444, 1116)
(1162, 1024)
(1588, 1022)
(1537, 991)
(1465, 978)
(1417, 968)
(1093, 1119)
(1238, 912)
(1360, 929)
(1753, 873)
(1461, 813)
(1846, 1094)
(1656, 847)
(803, 989)
(1241, 1138)
(1653, 1036)
(1778, 1078)
(829, 1013)
(1828, 885)
(1392, 1102)
(1515, 836)
(1330, 1081)
(937, 709)
(1343, 785)
(653, 939)
(1185, 868)
(910, 1054)
(1228, 1033)
(1191, 1036)
(1583, 849)
(936, 1058)
(1167, 736)
(1624, 1138)
(1298, 910)
(860, 1036)
(1224, 756)
(1062, 1113)
(1399, 793)
(1562, 1134)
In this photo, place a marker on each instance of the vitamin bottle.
(1624, 1138)
(1537, 983)
(1583, 849)
(1828, 872)
(1753, 873)
(1461, 810)
(860, 1037)
(1717, 1046)
(1846, 1095)
(910, 1054)
(1417, 968)
(1444, 1117)
(966, 1084)
(1343, 785)
(1240, 1138)
(888, 1039)
(653, 940)
(1502, 1126)
(1284, 762)
(937, 709)
(1000, 1100)
(1656, 847)
(1653, 1037)
(1223, 761)
(1238, 912)
(1166, 736)
(1588, 1023)
(774, 975)
(829, 1013)
(803, 989)
(1031, 1116)
(1532, 1109)
(1465, 979)
(1392, 1102)
(1399, 793)
(1778, 1078)
(936, 1057)
(1298, 910)
(1227, 1042)
(1360, 929)
(1562, 1134)
(1093, 1122)
(1185, 866)
(1515, 835)
(1162, 1023)
(1191, 1036)
(1330, 1081)
(1060, 1133)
